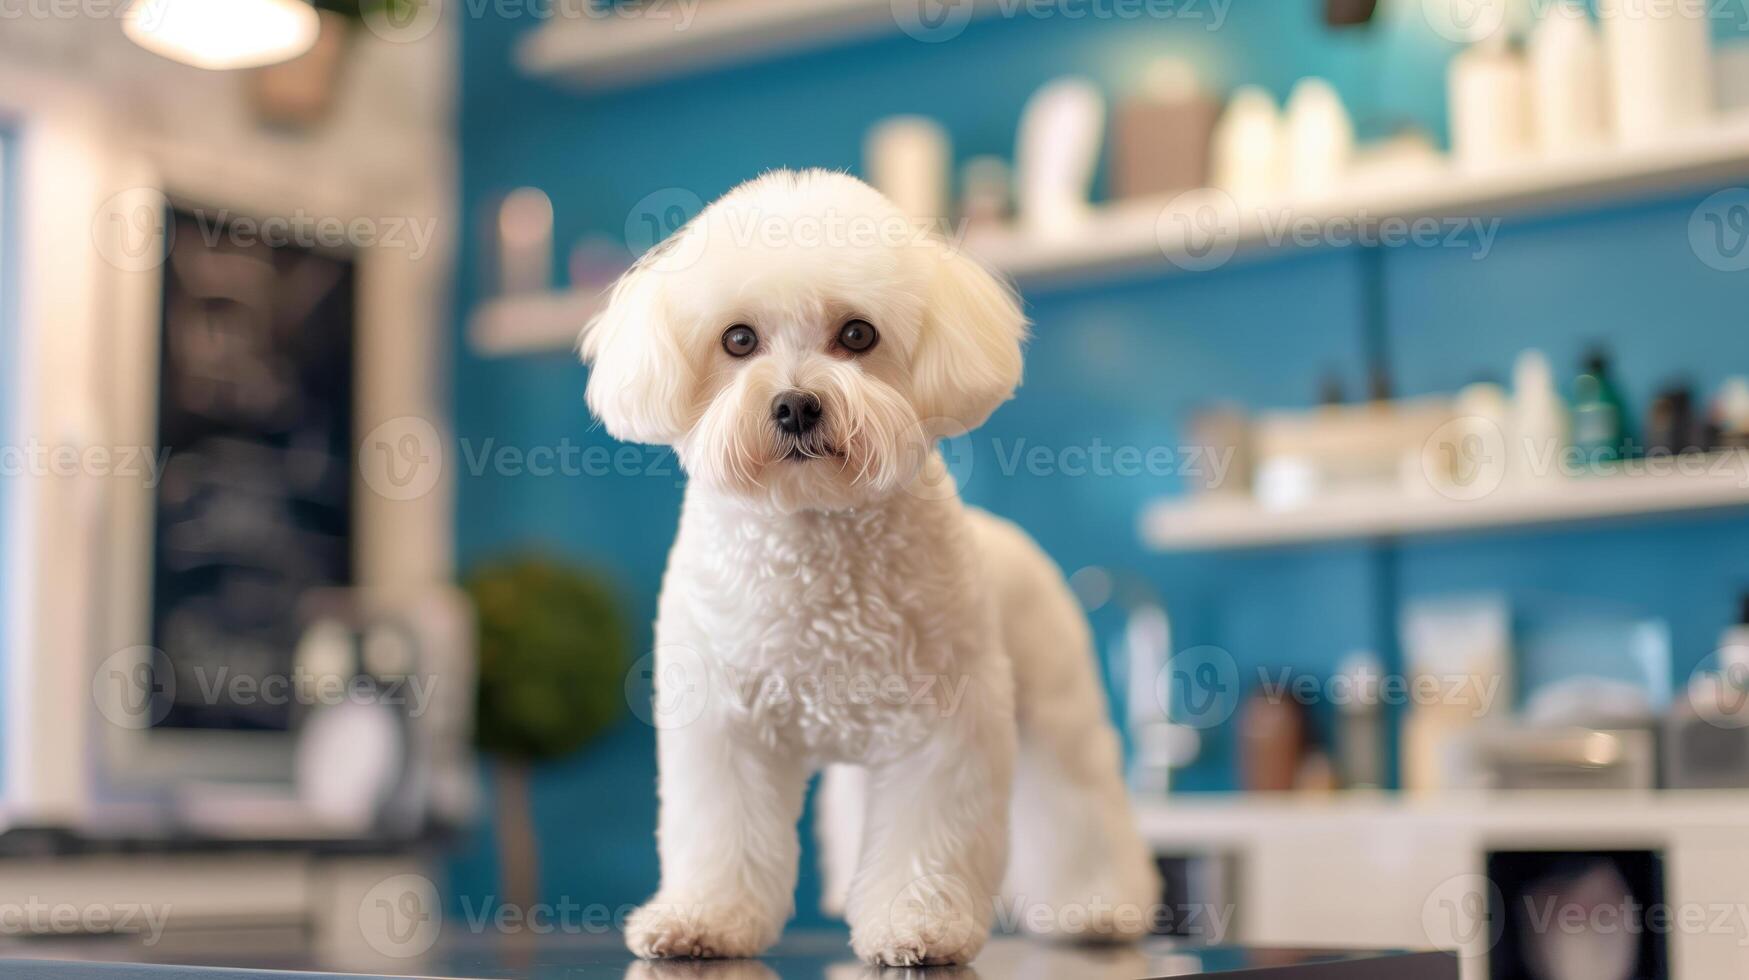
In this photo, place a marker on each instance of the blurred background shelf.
(1126, 236)
(533, 324)
(1201, 524)
(617, 51)
(1233, 819)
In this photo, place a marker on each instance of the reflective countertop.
(801, 956)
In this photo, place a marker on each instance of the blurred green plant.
(553, 656)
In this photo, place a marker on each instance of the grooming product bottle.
(1489, 92)
(1160, 137)
(1061, 129)
(1147, 645)
(525, 242)
(1272, 742)
(1249, 150)
(1659, 63)
(1481, 460)
(1731, 414)
(1568, 84)
(1671, 426)
(1539, 427)
(1320, 139)
(1360, 732)
(986, 192)
(1600, 430)
(909, 159)
(1706, 736)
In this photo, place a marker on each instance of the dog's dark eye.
(858, 336)
(740, 340)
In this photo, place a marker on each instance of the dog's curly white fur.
(829, 602)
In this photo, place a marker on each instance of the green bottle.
(1600, 416)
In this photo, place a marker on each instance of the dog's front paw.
(666, 929)
(932, 922)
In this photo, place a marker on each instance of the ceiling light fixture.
(221, 34)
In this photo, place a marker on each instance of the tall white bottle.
(1659, 58)
(1540, 424)
(1568, 84)
(1250, 147)
(1061, 129)
(1489, 92)
(1320, 139)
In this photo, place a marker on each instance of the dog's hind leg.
(839, 808)
(1079, 868)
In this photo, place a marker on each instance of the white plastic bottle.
(1489, 92)
(1249, 147)
(1569, 89)
(1659, 57)
(1320, 139)
(1540, 424)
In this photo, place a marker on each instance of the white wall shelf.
(614, 51)
(1123, 237)
(1213, 524)
(1588, 818)
(537, 323)
(1126, 236)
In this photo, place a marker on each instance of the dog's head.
(802, 342)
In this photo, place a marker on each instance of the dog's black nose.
(795, 412)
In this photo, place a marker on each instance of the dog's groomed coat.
(830, 603)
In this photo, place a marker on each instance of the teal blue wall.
(1120, 363)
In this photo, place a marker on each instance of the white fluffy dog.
(829, 602)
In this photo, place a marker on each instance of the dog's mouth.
(801, 452)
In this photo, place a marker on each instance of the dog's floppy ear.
(968, 357)
(640, 382)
